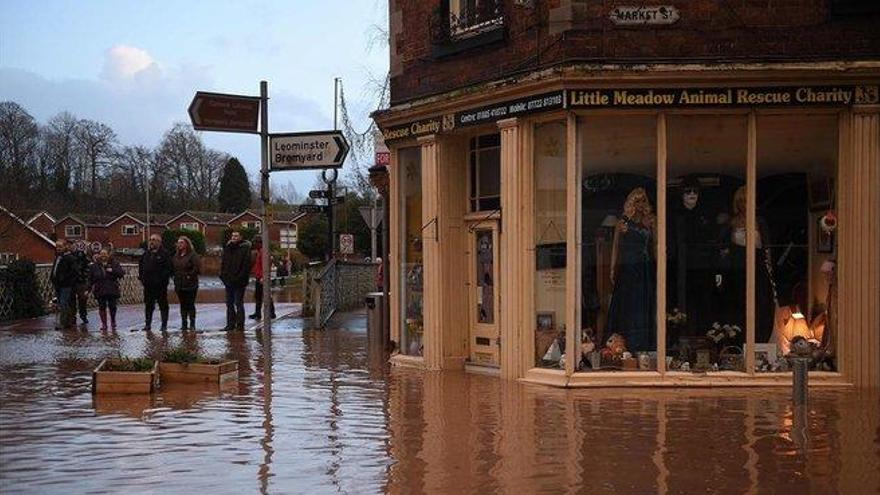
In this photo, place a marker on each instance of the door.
(483, 297)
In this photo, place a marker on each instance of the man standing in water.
(64, 278)
(154, 271)
(235, 269)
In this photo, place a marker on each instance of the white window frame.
(75, 230)
(130, 229)
(288, 237)
(190, 226)
(253, 224)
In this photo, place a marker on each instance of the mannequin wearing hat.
(691, 244)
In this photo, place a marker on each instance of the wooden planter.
(221, 372)
(124, 382)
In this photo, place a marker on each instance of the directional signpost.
(290, 151)
(307, 150)
(312, 208)
(318, 193)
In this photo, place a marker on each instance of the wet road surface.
(315, 412)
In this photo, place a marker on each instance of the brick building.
(18, 240)
(604, 185)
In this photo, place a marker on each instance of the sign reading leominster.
(697, 97)
(307, 150)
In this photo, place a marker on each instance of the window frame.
(78, 228)
(474, 197)
(130, 230)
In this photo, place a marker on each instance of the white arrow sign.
(307, 150)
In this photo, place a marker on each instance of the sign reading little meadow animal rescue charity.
(305, 150)
(224, 112)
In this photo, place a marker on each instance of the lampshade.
(610, 220)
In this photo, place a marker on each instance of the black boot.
(239, 322)
(192, 320)
(230, 320)
(148, 319)
(164, 320)
(183, 320)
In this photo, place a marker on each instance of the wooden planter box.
(222, 372)
(124, 382)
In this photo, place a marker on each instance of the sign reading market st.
(629, 98)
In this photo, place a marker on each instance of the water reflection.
(319, 409)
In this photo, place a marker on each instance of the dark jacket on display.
(235, 266)
(64, 271)
(155, 268)
(104, 279)
(186, 271)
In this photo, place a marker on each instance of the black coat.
(81, 263)
(64, 271)
(235, 266)
(155, 268)
(104, 280)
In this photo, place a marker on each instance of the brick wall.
(16, 238)
(119, 241)
(558, 31)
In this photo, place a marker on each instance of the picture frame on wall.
(545, 320)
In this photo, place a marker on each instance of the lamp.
(610, 220)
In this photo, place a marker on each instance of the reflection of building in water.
(747, 170)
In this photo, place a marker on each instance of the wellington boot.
(103, 314)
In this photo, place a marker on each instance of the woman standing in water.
(104, 275)
(187, 267)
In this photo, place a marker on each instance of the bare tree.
(61, 153)
(19, 136)
(96, 142)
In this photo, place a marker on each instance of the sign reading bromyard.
(307, 150)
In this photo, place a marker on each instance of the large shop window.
(796, 286)
(485, 172)
(411, 260)
(706, 243)
(550, 245)
(619, 236)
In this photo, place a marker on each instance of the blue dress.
(632, 310)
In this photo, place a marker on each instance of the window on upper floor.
(253, 225)
(190, 226)
(129, 229)
(473, 16)
(7, 258)
(73, 231)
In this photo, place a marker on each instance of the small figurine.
(686, 366)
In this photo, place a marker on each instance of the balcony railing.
(472, 20)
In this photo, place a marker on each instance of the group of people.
(74, 277)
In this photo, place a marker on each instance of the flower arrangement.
(828, 222)
(724, 334)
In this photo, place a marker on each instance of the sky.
(135, 65)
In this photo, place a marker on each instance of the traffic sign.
(346, 243)
(223, 112)
(312, 208)
(307, 150)
(318, 193)
(337, 200)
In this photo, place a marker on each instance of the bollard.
(800, 357)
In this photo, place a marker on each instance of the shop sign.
(639, 16)
(722, 97)
(719, 97)
(504, 110)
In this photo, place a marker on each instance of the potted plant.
(125, 376)
(183, 365)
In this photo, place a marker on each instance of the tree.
(19, 137)
(187, 170)
(96, 142)
(60, 152)
(169, 239)
(235, 192)
(312, 237)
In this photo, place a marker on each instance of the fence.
(131, 290)
(336, 286)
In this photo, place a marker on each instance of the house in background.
(211, 224)
(18, 240)
(43, 222)
(83, 227)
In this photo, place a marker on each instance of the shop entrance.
(483, 298)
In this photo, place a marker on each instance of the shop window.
(550, 244)
(618, 253)
(485, 172)
(796, 286)
(129, 229)
(73, 231)
(411, 260)
(706, 242)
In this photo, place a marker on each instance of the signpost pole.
(330, 233)
(264, 192)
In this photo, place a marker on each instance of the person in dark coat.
(257, 270)
(154, 271)
(235, 269)
(64, 278)
(187, 267)
(104, 276)
(80, 298)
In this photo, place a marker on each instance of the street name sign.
(312, 208)
(318, 193)
(223, 112)
(307, 150)
(337, 200)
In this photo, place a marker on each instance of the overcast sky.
(135, 65)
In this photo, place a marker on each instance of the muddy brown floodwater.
(315, 412)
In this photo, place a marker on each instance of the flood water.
(315, 412)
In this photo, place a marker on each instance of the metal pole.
(330, 230)
(147, 180)
(373, 231)
(264, 162)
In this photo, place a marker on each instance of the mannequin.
(733, 285)
(632, 310)
(691, 238)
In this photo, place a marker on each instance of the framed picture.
(546, 320)
(824, 240)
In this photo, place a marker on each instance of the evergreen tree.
(235, 191)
